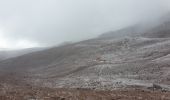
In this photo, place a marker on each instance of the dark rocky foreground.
(13, 88)
(31, 93)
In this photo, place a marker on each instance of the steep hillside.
(103, 63)
(96, 63)
(161, 31)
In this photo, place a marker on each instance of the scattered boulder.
(157, 87)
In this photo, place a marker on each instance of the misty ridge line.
(48, 23)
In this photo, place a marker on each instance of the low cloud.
(29, 23)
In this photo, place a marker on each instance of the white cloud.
(50, 22)
(5, 43)
(25, 44)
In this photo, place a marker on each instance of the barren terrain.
(128, 67)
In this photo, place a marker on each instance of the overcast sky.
(30, 23)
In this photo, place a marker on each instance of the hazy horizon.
(34, 23)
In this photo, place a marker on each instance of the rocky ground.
(35, 93)
(139, 72)
(104, 68)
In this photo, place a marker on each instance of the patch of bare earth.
(8, 92)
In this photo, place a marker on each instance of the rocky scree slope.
(102, 63)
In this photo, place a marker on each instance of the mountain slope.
(104, 62)
(97, 63)
(161, 31)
